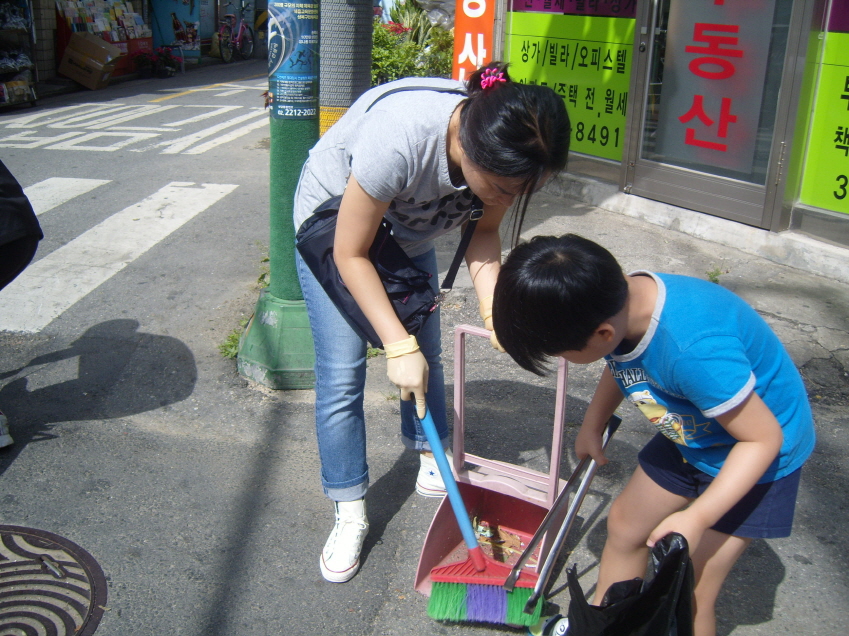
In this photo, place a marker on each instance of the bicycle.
(243, 41)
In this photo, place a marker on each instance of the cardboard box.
(89, 60)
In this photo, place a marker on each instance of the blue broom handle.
(454, 496)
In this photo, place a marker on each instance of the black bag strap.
(477, 205)
(401, 89)
(448, 281)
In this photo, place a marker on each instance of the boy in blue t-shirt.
(733, 417)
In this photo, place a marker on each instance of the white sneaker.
(429, 482)
(340, 558)
(5, 438)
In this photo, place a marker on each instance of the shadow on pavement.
(756, 576)
(120, 372)
(387, 496)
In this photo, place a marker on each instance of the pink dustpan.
(506, 502)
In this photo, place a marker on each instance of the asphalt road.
(198, 493)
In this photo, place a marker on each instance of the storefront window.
(713, 87)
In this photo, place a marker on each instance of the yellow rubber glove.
(485, 307)
(407, 369)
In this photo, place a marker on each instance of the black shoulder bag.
(19, 228)
(407, 286)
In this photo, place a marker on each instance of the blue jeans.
(340, 377)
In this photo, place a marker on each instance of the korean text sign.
(473, 24)
(825, 183)
(293, 59)
(609, 8)
(587, 61)
(714, 68)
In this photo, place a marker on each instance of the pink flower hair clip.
(490, 77)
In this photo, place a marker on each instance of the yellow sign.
(587, 61)
(825, 183)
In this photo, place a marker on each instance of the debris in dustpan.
(503, 544)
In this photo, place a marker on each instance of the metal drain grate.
(48, 585)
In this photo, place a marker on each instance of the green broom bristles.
(450, 602)
(447, 602)
(516, 601)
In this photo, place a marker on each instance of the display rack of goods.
(115, 21)
(17, 43)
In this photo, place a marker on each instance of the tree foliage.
(409, 46)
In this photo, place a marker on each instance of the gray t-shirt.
(397, 152)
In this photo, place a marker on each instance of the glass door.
(707, 94)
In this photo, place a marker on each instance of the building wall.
(45, 38)
(825, 181)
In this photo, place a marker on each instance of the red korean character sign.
(473, 25)
(713, 79)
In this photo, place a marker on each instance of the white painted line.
(53, 192)
(216, 110)
(137, 113)
(48, 116)
(235, 91)
(175, 146)
(27, 139)
(216, 87)
(122, 140)
(141, 128)
(81, 121)
(54, 283)
(230, 136)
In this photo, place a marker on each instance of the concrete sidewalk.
(785, 248)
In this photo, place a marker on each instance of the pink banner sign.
(605, 8)
(838, 20)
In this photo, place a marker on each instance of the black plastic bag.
(659, 606)
(19, 228)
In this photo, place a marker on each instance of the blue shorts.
(765, 512)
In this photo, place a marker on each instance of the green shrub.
(439, 53)
(409, 46)
(393, 55)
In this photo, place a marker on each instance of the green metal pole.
(276, 349)
(291, 141)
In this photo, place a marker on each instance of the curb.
(789, 248)
(60, 85)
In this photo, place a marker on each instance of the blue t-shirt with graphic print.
(704, 353)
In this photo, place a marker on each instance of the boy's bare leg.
(640, 507)
(716, 555)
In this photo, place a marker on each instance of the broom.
(471, 590)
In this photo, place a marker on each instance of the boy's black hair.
(521, 131)
(552, 294)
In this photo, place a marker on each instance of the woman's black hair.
(551, 295)
(515, 130)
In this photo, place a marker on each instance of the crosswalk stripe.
(211, 111)
(54, 283)
(53, 192)
(175, 146)
(230, 136)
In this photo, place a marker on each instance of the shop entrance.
(712, 102)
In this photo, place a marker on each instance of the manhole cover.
(48, 585)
